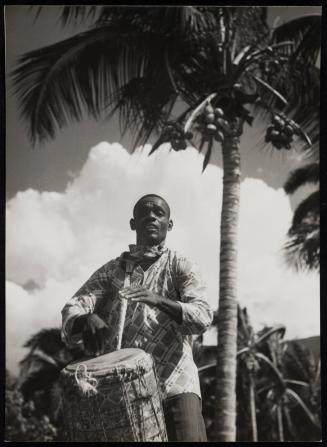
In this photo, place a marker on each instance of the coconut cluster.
(174, 134)
(212, 123)
(280, 133)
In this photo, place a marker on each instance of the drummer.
(167, 307)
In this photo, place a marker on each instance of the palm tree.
(286, 400)
(147, 64)
(303, 247)
(40, 370)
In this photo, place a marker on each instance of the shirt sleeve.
(197, 314)
(83, 302)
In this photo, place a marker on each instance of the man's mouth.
(151, 227)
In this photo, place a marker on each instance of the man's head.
(151, 220)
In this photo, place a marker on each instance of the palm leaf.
(305, 32)
(279, 329)
(297, 382)
(302, 251)
(57, 83)
(299, 177)
(271, 90)
(272, 368)
(197, 111)
(207, 155)
(308, 210)
(300, 70)
(300, 402)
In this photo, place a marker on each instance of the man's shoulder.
(111, 264)
(179, 261)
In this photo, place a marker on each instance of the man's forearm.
(79, 324)
(172, 308)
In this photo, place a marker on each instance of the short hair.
(150, 195)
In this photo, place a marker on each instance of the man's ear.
(132, 224)
(170, 225)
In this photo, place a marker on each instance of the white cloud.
(58, 239)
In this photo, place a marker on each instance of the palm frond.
(299, 177)
(58, 83)
(207, 155)
(293, 395)
(305, 32)
(47, 340)
(307, 211)
(300, 70)
(68, 15)
(302, 251)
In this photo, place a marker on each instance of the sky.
(70, 201)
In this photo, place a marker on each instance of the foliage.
(115, 66)
(40, 370)
(302, 251)
(23, 422)
(296, 368)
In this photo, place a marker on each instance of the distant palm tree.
(40, 370)
(303, 248)
(148, 63)
(281, 397)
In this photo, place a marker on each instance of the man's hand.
(93, 330)
(140, 294)
(143, 295)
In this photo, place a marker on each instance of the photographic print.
(162, 223)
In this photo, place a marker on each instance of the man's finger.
(140, 293)
(131, 289)
(101, 340)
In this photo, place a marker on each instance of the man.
(167, 306)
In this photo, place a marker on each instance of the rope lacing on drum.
(86, 383)
(161, 426)
(128, 407)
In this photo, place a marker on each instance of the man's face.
(151, 221)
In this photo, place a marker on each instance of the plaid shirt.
(148, 328)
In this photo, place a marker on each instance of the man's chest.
(157, 277)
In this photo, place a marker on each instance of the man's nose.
(151, 215)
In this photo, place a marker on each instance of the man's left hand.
(140, 294)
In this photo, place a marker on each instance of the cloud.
(54, 241)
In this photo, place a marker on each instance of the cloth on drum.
(184, 420)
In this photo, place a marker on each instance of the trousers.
(184, 420)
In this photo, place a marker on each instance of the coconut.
(211, 128)
(219, 136)
(208, 109)
(275, 134)
(210, 118)
(288, 129)
(219, 112)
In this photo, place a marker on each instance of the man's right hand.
(93, 330)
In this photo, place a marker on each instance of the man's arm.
(78, 318)
(192, 312)
(197, 314)
(141, 294)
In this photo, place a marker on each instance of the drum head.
(126, 358)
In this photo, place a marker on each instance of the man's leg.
(184, 420)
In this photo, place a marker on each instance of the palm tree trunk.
(280, 423)
(225, 414)
(253, 412)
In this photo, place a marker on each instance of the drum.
(113, 397)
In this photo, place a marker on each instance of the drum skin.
(126, 406)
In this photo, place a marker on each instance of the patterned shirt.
(148, 328)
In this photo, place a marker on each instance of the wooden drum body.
(113, 397)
